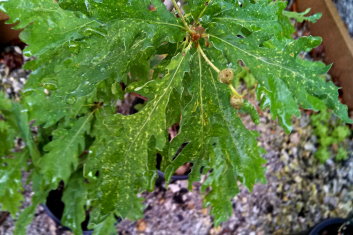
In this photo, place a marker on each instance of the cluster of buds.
(226, 76)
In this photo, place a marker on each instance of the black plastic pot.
(3, 216)
(174, 177)
(54, 206)
(332, 227)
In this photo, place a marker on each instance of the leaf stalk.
(234, 92)
(214, 67)
(180, 13)
(203, 11)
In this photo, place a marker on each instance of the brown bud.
(226, 76)
(236, 102)
(152, 8)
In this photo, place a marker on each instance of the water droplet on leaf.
(27, 53)
(74, 47)
(50, 85)
(67, 61)
(71, 100)
(28, 91)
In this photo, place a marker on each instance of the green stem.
(234, 92)
(203, 11)
(186, 42)
(188, 47)
(208, 60)
(176, 6)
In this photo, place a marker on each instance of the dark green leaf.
(216, 139)
(300, 16)
(121, 146)
(107, 227)
(64, 151)
(74, 198)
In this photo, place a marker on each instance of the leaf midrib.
(156, 103)
(259, 58)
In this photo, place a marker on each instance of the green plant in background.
(13, 125)
(184, 64)
(331, 134)
(244, 75)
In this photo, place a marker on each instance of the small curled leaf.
(248, 108)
